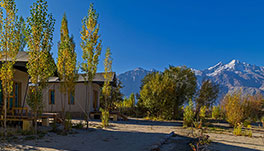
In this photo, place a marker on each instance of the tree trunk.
(5, 130)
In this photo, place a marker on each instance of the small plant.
(188, 115)
(216, 113)
(247, 123)
(201, 142)
(79, 125)
(105, 117)
(262, 121)
(68, 123)
(248, 131)
(238, 130)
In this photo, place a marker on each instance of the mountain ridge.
(232, 76)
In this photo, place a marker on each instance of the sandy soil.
(135, 135)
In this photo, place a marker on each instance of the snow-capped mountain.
(235, 76)
(231, 77)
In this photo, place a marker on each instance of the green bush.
(248, 131)
(238, 130)
(105, 117)
(216, 112)
(188, 115)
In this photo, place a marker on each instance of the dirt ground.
(137, 135)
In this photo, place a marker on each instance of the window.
(51, 96)
(71, 98)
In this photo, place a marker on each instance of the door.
(14, 99)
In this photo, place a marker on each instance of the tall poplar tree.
(91, 46)
(10, 41)
(107, 76)
(39, 34)
(66, 63)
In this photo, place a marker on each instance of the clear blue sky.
(158, 33)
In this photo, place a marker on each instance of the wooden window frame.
(50, 90)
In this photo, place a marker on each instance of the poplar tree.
(66, 63)
(106, 91)
(10, 41)
(107, 77)
(91, 46)
(39, 34)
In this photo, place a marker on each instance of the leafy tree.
(206, 95)
(232, 106)
(39, 34)
(91, 46)
(107, 87)
(163, 93)
(107, 76)
(115, 98)
(10, 42)
(188, 115)
(66, 63)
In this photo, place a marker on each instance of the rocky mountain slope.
(231, 77)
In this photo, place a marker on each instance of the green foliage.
(34, 100)
(238, 108)
(39, 35)
(116, 97)
(216, 112)
(202, 113)
(68, 122)
(66, 63)
(90, 44)
(238, 130)
(162, 94)
(262, 121)
(188, 115)
(206, 95)
(248, 131)
(79, 125)
(201, 141)
(106, 90)
(127, 106)
(10, 43)
(105, 117)
(233, 108)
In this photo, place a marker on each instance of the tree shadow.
(113, 139)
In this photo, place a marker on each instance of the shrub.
(68, 123)
(247, 122)
(262, 121)
(188, 115)
(105, 117)
(79, 125)
(239, 108)
(216, 112)
(233, 108)
(248, 131)
(238, 129)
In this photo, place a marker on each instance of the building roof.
(22, 56)
(99, 78)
